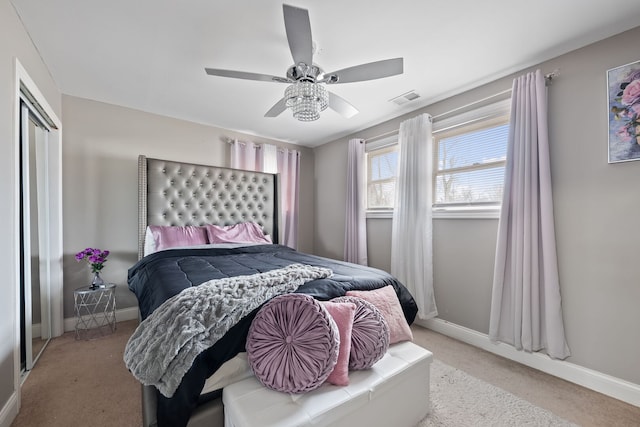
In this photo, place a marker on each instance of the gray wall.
(596, 203)
(14, 43)
(100, 163)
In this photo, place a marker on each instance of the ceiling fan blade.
(370, 71)
(341, 106)
(296, 22)
(277, 109)
(246, 76)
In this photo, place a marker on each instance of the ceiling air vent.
(405, 97)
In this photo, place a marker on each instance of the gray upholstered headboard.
(174, 193)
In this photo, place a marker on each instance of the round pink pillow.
(293, 344)
(369, 336)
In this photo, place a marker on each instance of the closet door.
(34, 227)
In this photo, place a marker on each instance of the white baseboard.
(122, 314)
(9, 411)
(589, 378)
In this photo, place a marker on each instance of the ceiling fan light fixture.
(307, 96)
(306, 100)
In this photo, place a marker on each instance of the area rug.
(461, 400)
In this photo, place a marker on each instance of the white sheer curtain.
(269, 158)
(246, 155)
(412, 236)
(526, 307)
(355, 234)
(289, 170)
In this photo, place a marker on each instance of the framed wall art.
(623, 84)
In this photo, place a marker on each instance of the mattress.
(394, 392)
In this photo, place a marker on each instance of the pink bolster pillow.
(342, 313)
(369, 336)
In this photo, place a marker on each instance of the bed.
(184, 194)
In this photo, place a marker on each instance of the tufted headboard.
(174, 193)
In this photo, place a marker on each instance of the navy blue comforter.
(159, 276)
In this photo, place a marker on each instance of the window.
(470, 162)
(382, 170)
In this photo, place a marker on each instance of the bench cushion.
(395, 391)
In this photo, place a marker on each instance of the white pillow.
(149, 242)
(231, 371)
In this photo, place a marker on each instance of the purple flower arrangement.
(627, 109)
(95, 257)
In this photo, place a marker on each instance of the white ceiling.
(151, 54)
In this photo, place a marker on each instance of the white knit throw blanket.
(164, 346)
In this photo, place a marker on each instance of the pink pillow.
(293, 344)
(171, 236)
(343, 314)
(245, 232)
(386, 300)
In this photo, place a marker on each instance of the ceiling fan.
(307, 96)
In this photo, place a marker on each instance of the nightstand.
(95, 310)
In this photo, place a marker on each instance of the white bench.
(394, 392)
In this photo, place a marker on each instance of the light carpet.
(461, 400)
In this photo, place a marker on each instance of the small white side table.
(95, 310)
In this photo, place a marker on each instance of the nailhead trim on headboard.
(175, 193)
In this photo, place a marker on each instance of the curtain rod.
(552, 75)
(471, 104)
(231, 141)
(257, 145)
(547, 77)
(382, 135)
(446, 113)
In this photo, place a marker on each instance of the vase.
(97, 281)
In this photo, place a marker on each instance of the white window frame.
(371, 146)
(479, 211)
(494, 112)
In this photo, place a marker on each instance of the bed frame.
(175, 193)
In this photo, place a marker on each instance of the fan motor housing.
(304, 72)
